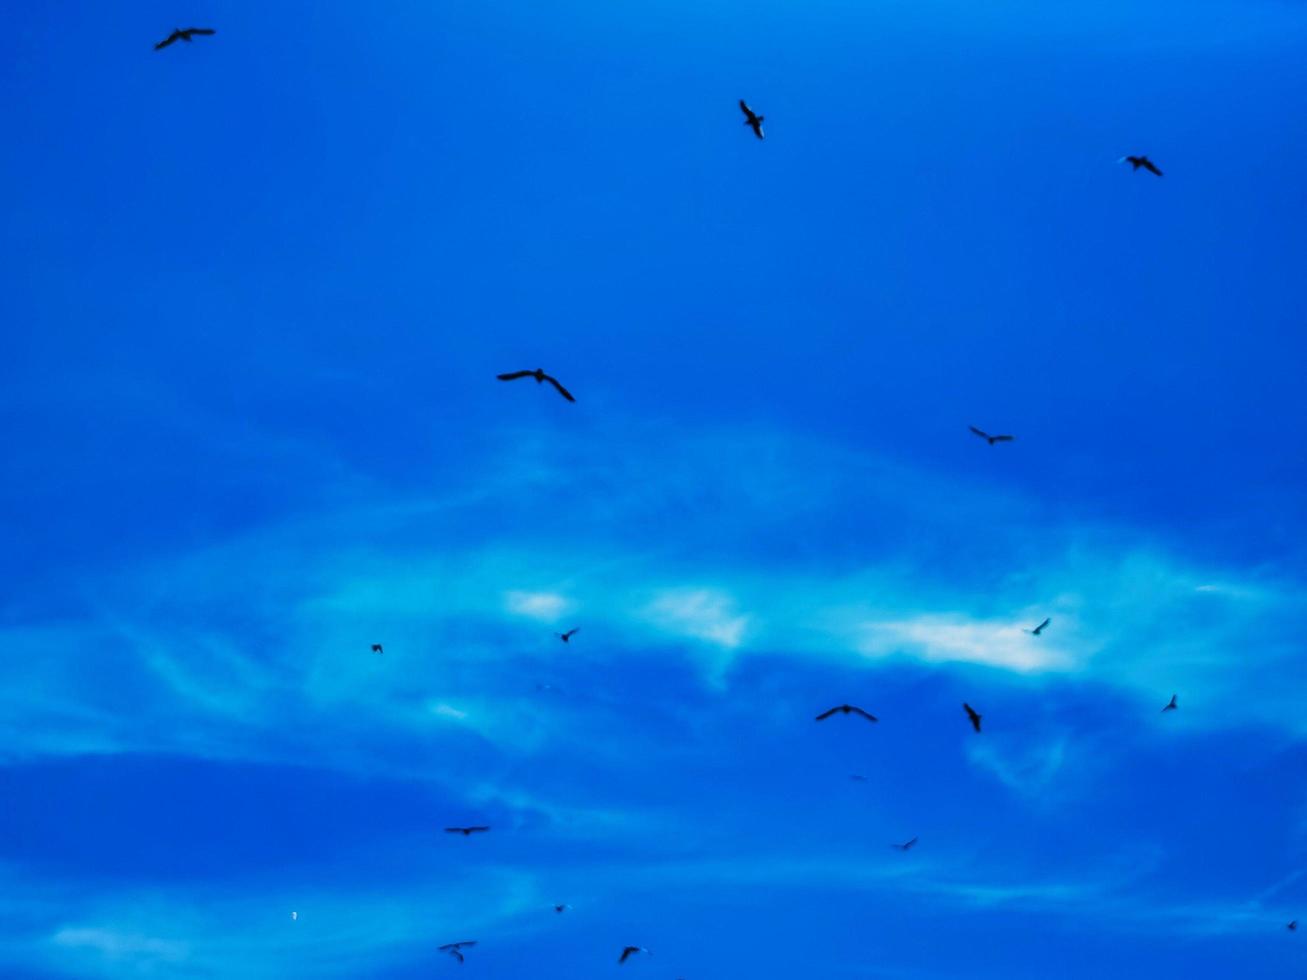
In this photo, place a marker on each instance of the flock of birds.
(754, 121)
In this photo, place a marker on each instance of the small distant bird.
(1171, 705)
(540, 376)
(847, 709)
(1040, 628)
(971, 713)
(183, 34)
(988, 438)
(1137, 162)
(456, 949)
(907, 845)
(466, 831)
(630, 951)
(376, 648)
(1292, 926)
(567, 637)
(752, 119)
(561, 908)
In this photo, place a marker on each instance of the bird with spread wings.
(973, 715)
(847, 709)
(466, 831)
(1038, 630)
(988, 438)
(183, 34)
(1137, 162)
(752, 119)
(456, 949)
(540, 376)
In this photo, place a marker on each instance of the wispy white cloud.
(544, 606)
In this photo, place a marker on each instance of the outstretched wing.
(514, 375)
(1040, 627)
(1001, 438)
(625, 954)
(971, 713)
(1151, 167)
(756, 125)
(749, 113)
(866, 714)
(826, 714)
(561, 390)
(983, 435)
(167, 40)
(200, 30)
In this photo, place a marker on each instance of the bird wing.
(757, 129)
(983, 435)
(477, 830)
(625, 953)
(514, 375)
(561, 390)
(200, 30)
(744, 106)
(167, 41)
(973, 715)
(826, 714)
(1002, 438)
(1046, 621)
(572, 632)
(866, 714)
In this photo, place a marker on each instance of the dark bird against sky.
(988, 438)
(973, 715)
(561, 908)
(847, 709)
(183, 34)
(567, 637)
(1172, 706)
(456, 949)
(1292, 926)
(376, 648)
(907, 845)
(752, 119)
(1137, 162)
(630, 951)
(466, 831)
(1040, 628)
(540, 376)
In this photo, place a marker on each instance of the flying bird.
(561, 908)
(376, 648)
(567, 637)
(990, 439)
(539, 375)
(1137, 162)
(971, 713)
(752, 119)
(1292, 926)
(182, 34)
(1040, 628)
(848, 709)
(630, 951)
(456, 949)
(907, 845)
(1171, 705)
(466, 831)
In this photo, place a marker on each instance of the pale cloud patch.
(1028, 771)
(704, 614)
(544, 606)
(951, 638)
(121, 947)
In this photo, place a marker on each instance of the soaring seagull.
(1171, 705)
(1040, 628)
(539, 375)
(466, 831)
(847, 709)
(376, 648)
(907, 845)
(630, 951)
(990, 439)
(752, 119)
(1137, 162)
(183, 34)
(567, 637)
(455, 949)
(971, 713)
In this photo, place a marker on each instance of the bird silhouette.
(561, 908)
(907, 845)
(376, 648)
(847, 709)
(1292, 926)
(1137, 162)
(540, 376)
(988, 438)
(1171, 705)
(456, 949)
(567, 637)
(752, 119)
(972, 714)
(1040, 628)
(630, 951)
(183, 34)
(466, 831)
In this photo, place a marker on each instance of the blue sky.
(256, 292)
